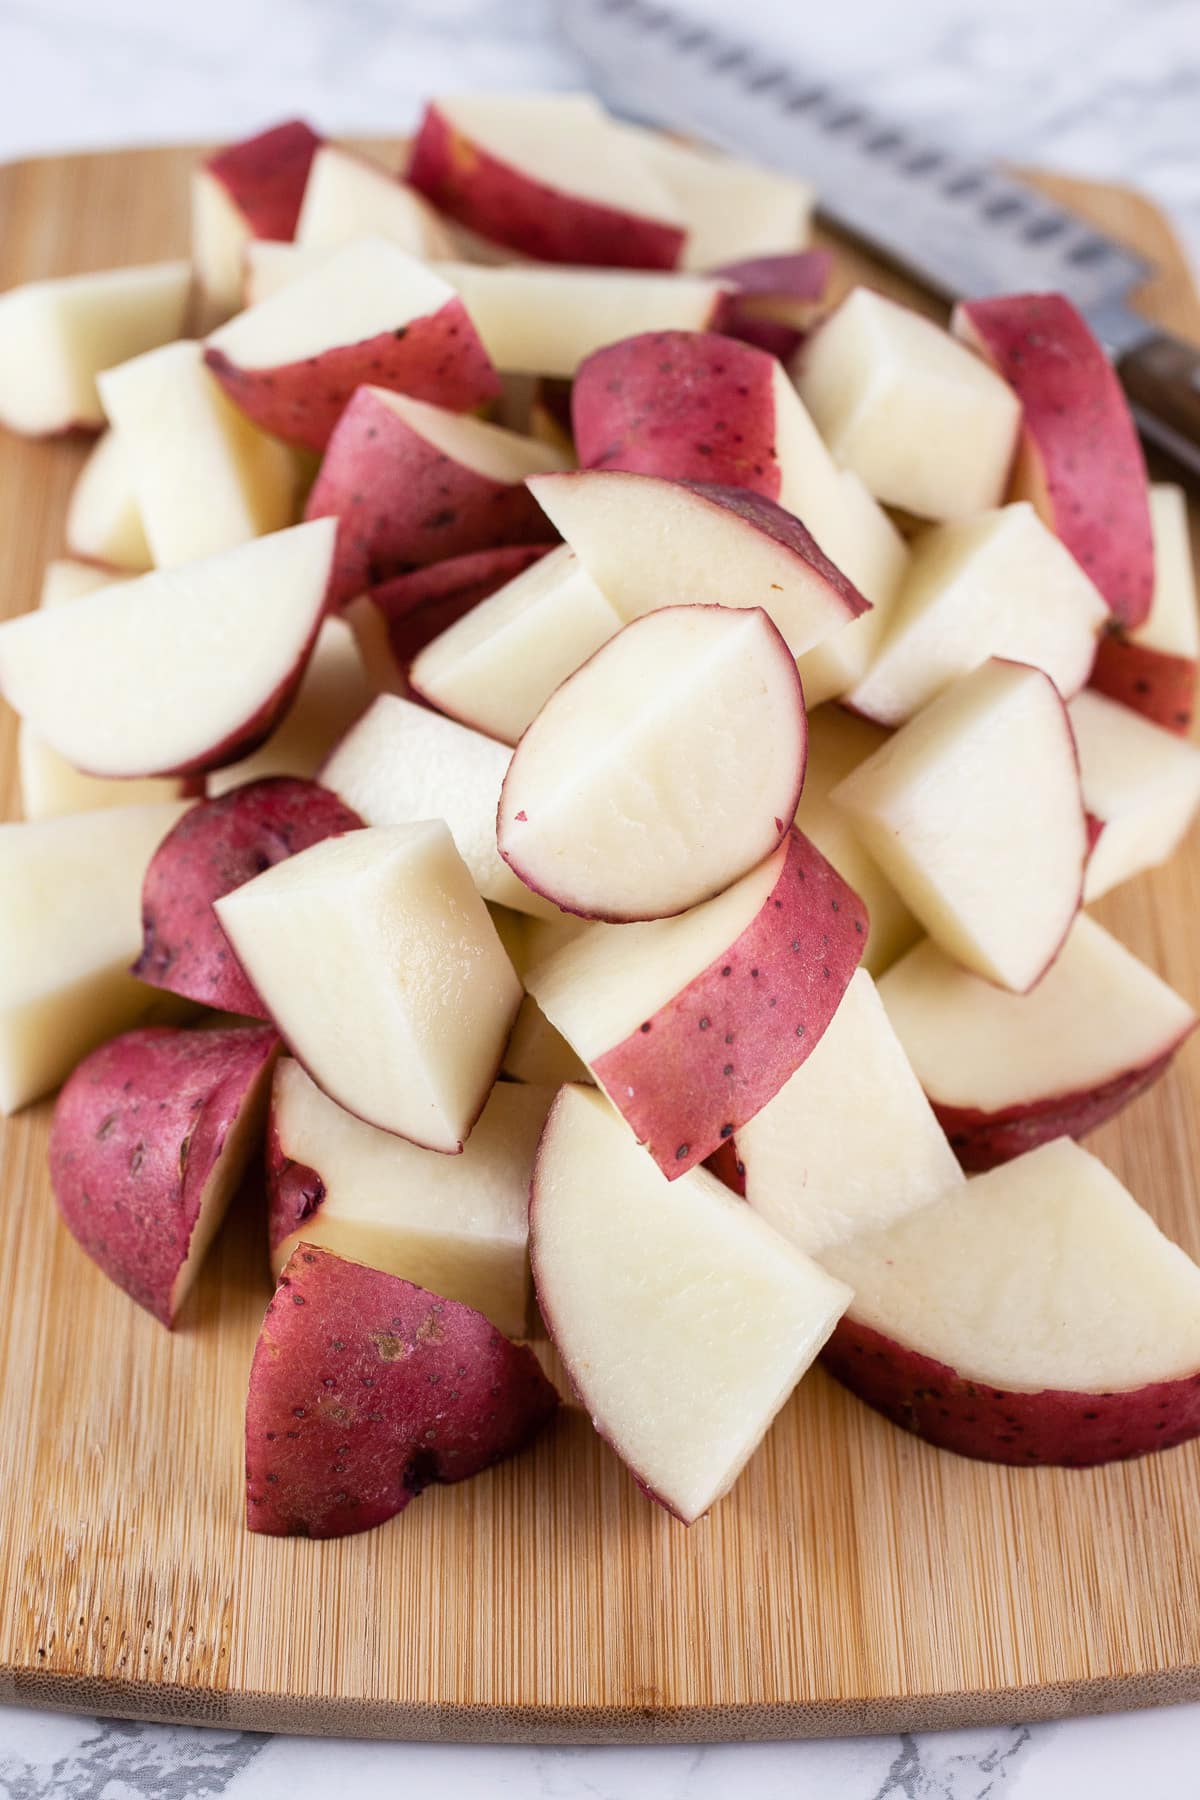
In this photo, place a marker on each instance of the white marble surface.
(1110, 87)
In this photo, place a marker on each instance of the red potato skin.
(776, 300)
(689, 404)
(437, 357)
(137, 1132)
(265, 176)
(713, 1056)
(1079, 460)
(294, 1190)
(983, 1140)
(401, 503)
(214, 848)
(1050, 1427)
(1159, 686)
(508, 207)
(365, 1389)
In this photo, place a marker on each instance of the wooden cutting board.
(854, 1581)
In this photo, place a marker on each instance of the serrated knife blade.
(961, 229)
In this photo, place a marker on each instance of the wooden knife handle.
(1161, 376)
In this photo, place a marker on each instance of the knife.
(960, 229)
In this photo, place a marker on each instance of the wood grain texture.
(854, 1581)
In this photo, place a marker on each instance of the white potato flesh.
(65, 579)
(488, 450)
(538, 1053)
(348, 196)
(103, 518)
(1044, 1273)
(1142, 782)
(661, 771)
(998, 584)
(204, 477)
(534, 320)
(924, 421)
(650, 543)
(149, 677)
(1097, 1013)
(56, 336)
(590, 158)
(270, 267)
(684, 1321)
(974, 811)
(220, 236)
(496, 667)
(1173, 623)
(838, 742)
(457, 1225)
(357, 292)
(402, 762)
(378, 962)
(601, 984)
(334, 693)
(849, 1143)
(70, 925)
(733, 209)
(50, 785)
(243, 1141)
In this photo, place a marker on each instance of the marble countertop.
(1102, 87)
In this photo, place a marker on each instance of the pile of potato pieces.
(635, 743)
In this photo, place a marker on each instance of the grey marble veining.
(1106, 87)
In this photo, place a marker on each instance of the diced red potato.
(849, 1143)
(1079, 461)
(974, 811)
(1034, 1315)
(383, 928)
(365, 1389)
(402, 763)
(838, 741)
(927, 425)
(1141, 788)
(104, 523)
(458, 1224)
(204, 478)
(645, 1284)
(368, 313)
(70, 911)
(268, 267)
(775, 299)
(539, 320)
(650, 543)
(348, 196)
(214, 848)
(733, 209)
(1152, 667)
(691, 1024)
(56, 337)
(1006, 1072)
(497, 665)
(411, 483)
(151, 1137)
(252, 189)
(94, 683)
(998, 584)
(538, 1054)
(662, 771)
(481, 159)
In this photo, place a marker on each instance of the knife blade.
(961, 229)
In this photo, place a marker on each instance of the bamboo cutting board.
(855, 1580)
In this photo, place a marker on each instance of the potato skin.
(214, 848)
(365, 1388)
(138, 1130)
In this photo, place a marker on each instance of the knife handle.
(1161, 376)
